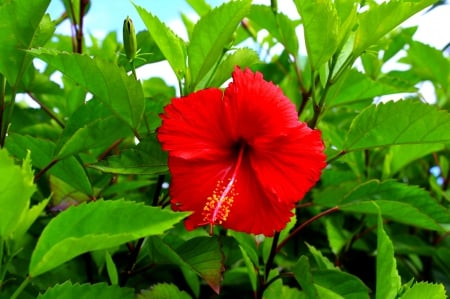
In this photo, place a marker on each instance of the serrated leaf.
(69, 170)
(337, 284)
(303, 275)
(357, 87)
(399, 156)
(172, 47)
(90, 126)
(163, 291)
(87, 291)
(391, 13)
(109, 83)
(146, 158)
(399, 202)
(242, 57)
(402, 122)
(16, 188)
(322, 262)
(427, 290)
(94, 226)
(387, 279)
(212, 33)
(32, 32)
(201, 255)
(321, 27)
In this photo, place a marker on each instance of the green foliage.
(84, 203)
(93, 227)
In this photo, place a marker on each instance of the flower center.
(218, 205)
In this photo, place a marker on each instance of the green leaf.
(242, 57)
(399, 156)
(337, 284)
(402, 122)
(94, 226)
(109, 83)
(211, 35)
(172, 47)
(321, 27)
(303, 275)
(422, 290)
(358, 87)
(69, 170)
(163, 291)
(400, 202)
(428, 63)
(146, 158)
(387, 278)
(16, 188)
(322, 262)
(91, 126)
(252, 275)
(87, 291)
(22, 27)
(111, 269)
(380, 19)
(201, 255)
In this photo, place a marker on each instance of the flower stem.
(21, 287)
(304, 224)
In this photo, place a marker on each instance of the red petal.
(193, 182)
(192, 128)
(290, 165)
(253, 210)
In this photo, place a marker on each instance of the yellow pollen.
(218, 205)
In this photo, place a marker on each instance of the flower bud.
(129, 39)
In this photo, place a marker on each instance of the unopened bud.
(129, 39)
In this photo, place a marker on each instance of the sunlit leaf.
(109, 83)
(303, 275)
(94, 226)
(387, 278)
(34, 31)
(425, 290)
(321, 27)
(391, 14)
(87, 291)
(242, 57)
(402, 122)
(172, 47)
(212, 33)
(16, 188)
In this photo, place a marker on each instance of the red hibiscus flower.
(239, 158)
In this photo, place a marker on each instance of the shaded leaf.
(90, 126)
(321, 27)
(402, 122)
(69, 170)
(172, 47)
(163, 291)
(303, 275)
(94, 226)
(399, 202)
(202, 255)
(211, 35)
(146, 158)
(387, 279)
(109, 83)
(87, 291)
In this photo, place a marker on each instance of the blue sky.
(106, 15)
